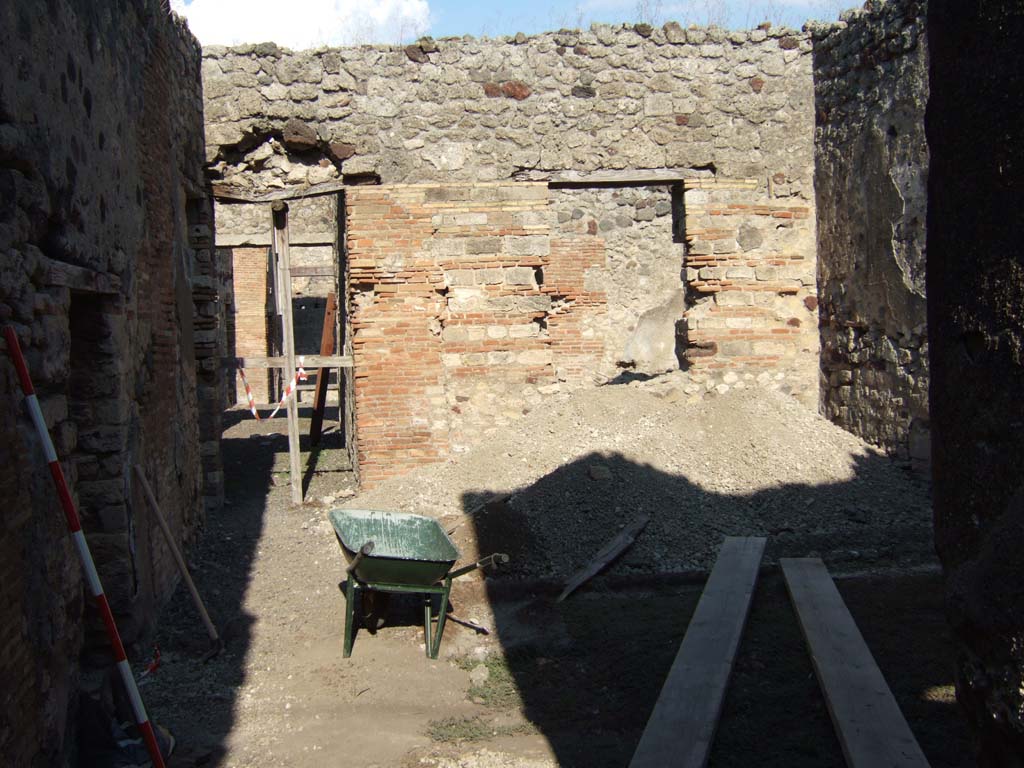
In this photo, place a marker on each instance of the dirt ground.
(545, 684)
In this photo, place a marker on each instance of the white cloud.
(301, 24)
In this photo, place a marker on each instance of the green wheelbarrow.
(397, 552)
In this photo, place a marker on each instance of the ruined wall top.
(735, 103)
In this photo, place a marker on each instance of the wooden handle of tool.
(176, 553)
(364, 551)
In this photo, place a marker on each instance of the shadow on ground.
(587, 672)
(198, 701)
(221, 565)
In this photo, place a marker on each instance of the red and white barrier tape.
(88, 566)
(300, 375)
(248, 394)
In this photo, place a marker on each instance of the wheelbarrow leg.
(350, 613)
(426, 625)
(441, 619)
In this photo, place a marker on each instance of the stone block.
(658, 105)
(490, 276)
(535, 357)
(528, 245)
(734, 299)
(460, 277)
(475, 245)
(520, 276)
(740, 273)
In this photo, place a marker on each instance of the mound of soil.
(563, 480)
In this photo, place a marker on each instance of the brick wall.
(750, 270)
(472, 302)
(444, 298)
(253, 314)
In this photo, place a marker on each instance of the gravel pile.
(581, 467)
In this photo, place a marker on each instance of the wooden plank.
(628, 176)
(326, 348)
(635, 177)
(264, 239)
(312, 272)
(682, 726)
(80, 278)
(609, 552)
(867, 719)
(243, 195)
(281, 247)
(309, 361)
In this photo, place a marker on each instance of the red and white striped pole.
(75, 527)
(248, 394)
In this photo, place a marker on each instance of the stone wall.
(106, 274)
(976, 332)
(871, 85)
(518, 290)
(462, 109)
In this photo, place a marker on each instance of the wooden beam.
(869, 723)
(227, 192)
(279, 216)
(316, 423)
(80, 278)
(308, 361)
(634, 177)
(605, 555)
(682, 726)
(312, 272)
(629, 176)
(264, 239)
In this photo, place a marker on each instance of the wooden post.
(323, 374)
(280, 219)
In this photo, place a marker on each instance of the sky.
(300, 24)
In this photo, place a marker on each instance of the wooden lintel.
(633, 177)
(241, 195)
(312, 271)
(628, 176)
(264, 239)
(81, 278)
(308, 361)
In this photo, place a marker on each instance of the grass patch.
(461, 729)
(500, 689)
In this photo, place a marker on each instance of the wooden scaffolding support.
(282, 262)
(282, 274)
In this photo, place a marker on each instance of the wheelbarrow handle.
(364, 551)
(495, 559)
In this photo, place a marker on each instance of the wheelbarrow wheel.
(374, 609)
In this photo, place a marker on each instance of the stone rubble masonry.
(107, 274)
(871, 85)
(479, 110)
(629, 268)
